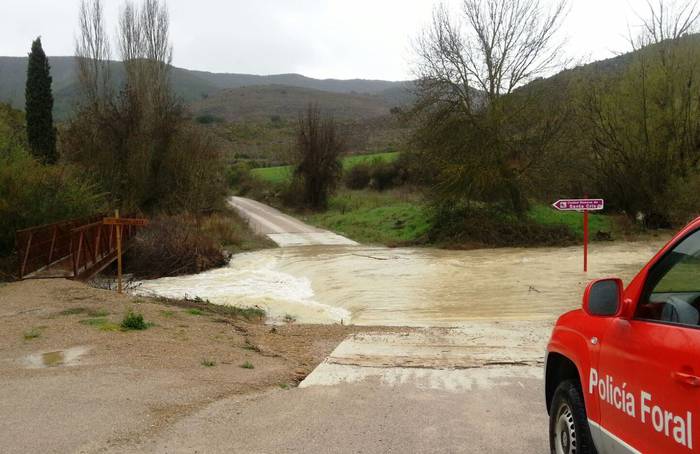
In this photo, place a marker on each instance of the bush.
(33, 194)
(684, 200)
(225, 229)
(358, 177)
(208, 119)
(133, 321)
(172, 246)
(461, 225)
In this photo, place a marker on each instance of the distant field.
(371, 217)
(283, 173)
(395, 217)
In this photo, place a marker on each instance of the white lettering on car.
(673, 426)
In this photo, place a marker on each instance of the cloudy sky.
(318, 38)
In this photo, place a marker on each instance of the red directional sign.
(584, 205)
(579, 204)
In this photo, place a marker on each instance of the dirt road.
(72, 382)
(282, 229)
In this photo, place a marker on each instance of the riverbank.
(73, 381)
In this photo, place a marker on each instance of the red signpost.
(584, 205)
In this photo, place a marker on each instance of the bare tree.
(644, 125)
(494, 46)
(92, 51)
(667, 20)
(144, 43)
(317, 157)
(480, 134)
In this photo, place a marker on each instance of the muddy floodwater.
(410, 287)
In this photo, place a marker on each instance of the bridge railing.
(78, 248)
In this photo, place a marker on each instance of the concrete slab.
(457, 359)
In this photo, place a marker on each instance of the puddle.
(58, 358)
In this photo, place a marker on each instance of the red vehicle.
(623, 373)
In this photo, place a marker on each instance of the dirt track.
(110, 388)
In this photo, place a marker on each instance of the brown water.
(421, 287)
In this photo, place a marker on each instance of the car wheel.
(568, 424)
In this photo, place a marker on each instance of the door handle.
(687, 379)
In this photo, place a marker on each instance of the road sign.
(579, 204)
(125, 221)
(584, 205)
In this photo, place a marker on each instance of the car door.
(649, 365)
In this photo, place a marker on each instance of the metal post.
(585, 241)
(119, 253)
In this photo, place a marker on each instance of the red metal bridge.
(75, 249)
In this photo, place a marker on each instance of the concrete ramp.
(284, 230)
(456, 359)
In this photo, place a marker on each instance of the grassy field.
(372, 217)
(545, 214)
(284, 173)
(396, 216)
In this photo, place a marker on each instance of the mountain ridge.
(193, 85)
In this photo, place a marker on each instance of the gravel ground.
(72, 382)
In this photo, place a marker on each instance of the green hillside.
(210, 91)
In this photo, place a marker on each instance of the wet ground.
(409, 287)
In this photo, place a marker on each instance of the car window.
(672, 291)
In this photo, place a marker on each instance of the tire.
(568, 425)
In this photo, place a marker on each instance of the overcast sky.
(318, 38)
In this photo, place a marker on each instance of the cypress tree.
(41, 133)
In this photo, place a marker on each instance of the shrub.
(225, 229)
(33, 194)
(208, 119)
(358, 177)
(684, 202)
(464, 225)
(133, 321)
(171, 246)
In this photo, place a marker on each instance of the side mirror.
(603, 297)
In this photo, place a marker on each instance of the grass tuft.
(247, 365)
(32, 334)
(208, 363)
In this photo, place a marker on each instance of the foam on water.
(250, 280)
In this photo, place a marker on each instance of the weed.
(32, 334)
(247, 365)
(82, 310)
(284, 386)
(195, 312)
(208, 363)
(94, 321)
(167, 314)
(134, 321)
(289, 318)
(102, 323)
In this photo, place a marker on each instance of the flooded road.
(408, 287)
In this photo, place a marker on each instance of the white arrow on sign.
(579, 204)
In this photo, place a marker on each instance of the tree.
(136, 139)
(643, 126)
(41, 133)
(317, 166)
(475, 128)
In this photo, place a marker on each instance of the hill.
(204, 88)
(285, 102)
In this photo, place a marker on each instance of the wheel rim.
(565, 431)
